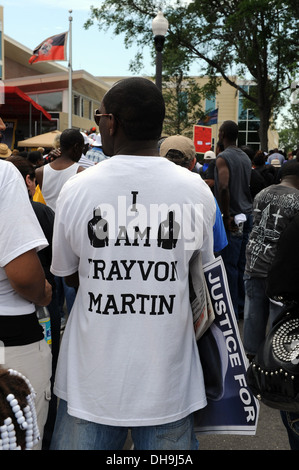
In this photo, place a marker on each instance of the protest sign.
(232, 408)
(202, 138)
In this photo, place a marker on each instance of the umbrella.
(42, 140)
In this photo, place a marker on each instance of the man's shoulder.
(7, 169)
(282, 189)
(228, 152)
(9, 174)
(233, 153)
(277, 191)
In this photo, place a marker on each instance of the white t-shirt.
(129, 355)
(53, 180)
(20, 232)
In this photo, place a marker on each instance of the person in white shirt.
(125, 232)
(22, 286)
(84, 161)
(95, 154)
(52, 176)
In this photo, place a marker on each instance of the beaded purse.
(273, 374)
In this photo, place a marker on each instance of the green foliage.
(289, 132)
(257, 39)
(182, 98)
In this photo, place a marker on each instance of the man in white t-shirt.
(124, 233)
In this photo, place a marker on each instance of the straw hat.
(5, 152)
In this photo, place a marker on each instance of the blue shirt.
(220, 238)
(96, 154)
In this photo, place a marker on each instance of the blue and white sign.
(231, 409)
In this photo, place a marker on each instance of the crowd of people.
(88, 237)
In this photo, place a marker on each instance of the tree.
(182, 96)
(289, 133)
(255, 38)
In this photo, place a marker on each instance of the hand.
(230, 224)
(55, 153)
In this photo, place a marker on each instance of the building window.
(90, 110)
(248, 124)
(49, 101)
(210, 103)
(86, 109)
(183, 105)
(77, 105)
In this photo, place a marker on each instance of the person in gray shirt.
(232, 191)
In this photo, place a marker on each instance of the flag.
(209, 119)
(53, 48)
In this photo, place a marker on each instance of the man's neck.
(290, 182)
(64, 161)
(229, 144)
(142, 148)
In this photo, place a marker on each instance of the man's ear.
(113, 124)
(78, 149)
(27, 180)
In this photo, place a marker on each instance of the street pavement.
(271, 435)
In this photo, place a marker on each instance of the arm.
(39, 176)
(27, 278)
(223, 190)
(210, 182)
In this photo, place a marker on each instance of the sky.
(31, 21)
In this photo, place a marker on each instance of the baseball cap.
(209, 155)
(276, 162)
(178, 142)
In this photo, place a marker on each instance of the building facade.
(230, 105)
